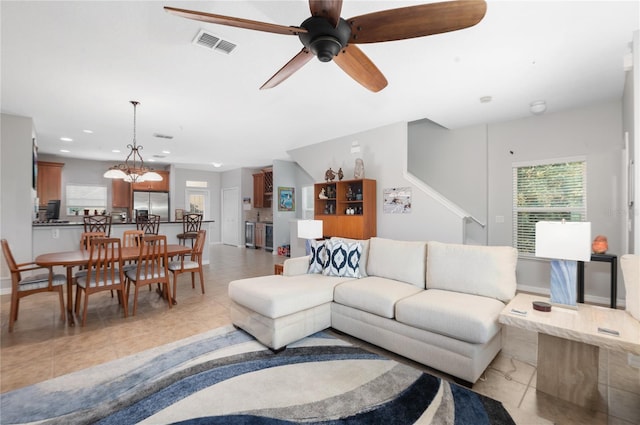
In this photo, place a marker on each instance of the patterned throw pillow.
(318, 258)
(343, 259)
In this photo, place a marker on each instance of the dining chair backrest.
(149, 224)
(132, 237)
(191, 223)
(11, 262)
(198, 246)
(152, 259)
(105, 262)
(97, 223)
(85, 239)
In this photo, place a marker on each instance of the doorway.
(230, 216)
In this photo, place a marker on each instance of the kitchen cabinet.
(347, 208)
(260, 235)
(120, 194)
(263, 188)
(49, 182)
(161, 186)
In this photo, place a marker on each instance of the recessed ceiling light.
(88, 131)
(66, 139)
(166, 152)
(216, 164)
(151, 160)
(115, 150)
(538, 107)
(65, 150)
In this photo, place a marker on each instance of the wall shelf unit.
(347, 208)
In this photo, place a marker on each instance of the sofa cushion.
(373, 294)
(318, 258)
(489, 271)
(342, 259)
(362, 266)
(469, 318)
(277, 296)
(398, 260)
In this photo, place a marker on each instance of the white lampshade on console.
(309, 229)
(565, 243)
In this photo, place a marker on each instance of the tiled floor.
(42, 347)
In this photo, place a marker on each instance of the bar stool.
(191, 224)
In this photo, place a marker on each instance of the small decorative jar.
(600, 245)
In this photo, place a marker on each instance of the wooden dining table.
(71, 259)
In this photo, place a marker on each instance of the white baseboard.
(587, 298)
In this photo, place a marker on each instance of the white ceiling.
(76, 65)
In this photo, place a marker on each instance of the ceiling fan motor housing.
(322, 39)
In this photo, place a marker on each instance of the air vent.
(162, 136)
(213, 42)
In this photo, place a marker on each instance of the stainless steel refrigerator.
(153, 202)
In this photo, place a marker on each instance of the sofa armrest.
(296, 266)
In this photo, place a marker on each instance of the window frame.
(526, 248)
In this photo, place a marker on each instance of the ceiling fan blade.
(354, 62)
(329, 9)
(287, 71)
(235, 22)
(416, 21)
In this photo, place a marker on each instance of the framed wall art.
(286, 199)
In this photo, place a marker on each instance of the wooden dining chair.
(192, 265)
(97, 223)
(23, 286)
(85, 243)
(151, 268)
(191, 224)
(104, 273)
(149, 224)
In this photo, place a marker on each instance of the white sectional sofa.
(432, 302)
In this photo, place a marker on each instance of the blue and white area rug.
(225, 377)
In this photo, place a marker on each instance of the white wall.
(16, 191)
(594, 132)
(384, 151)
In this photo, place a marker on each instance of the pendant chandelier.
(133, 170)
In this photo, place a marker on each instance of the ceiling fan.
(329, 37)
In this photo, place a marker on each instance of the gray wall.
(454, 163)
(384, 151)
(16, 192)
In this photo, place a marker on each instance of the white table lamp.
(565, 243)
(309, 229)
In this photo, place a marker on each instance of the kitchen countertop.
(113, 223)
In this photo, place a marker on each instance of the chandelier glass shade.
(133, 169)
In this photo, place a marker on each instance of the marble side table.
(569, 341)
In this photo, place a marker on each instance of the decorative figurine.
(340, 174)
(323, 194)
(358, 173)
(600, 245)
(349, 193)
(329, 175)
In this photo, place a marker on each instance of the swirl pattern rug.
(225, 377)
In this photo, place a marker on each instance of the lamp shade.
(114, 173)
(309, 229)
(563, 240)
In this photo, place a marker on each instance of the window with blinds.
(80, 197)
(549, 191)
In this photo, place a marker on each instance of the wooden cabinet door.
(49, 182)
(161, 186)
(258, 190)
(120, 194)
(260, 235)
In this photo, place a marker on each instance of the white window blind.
(80, 197)
(551, 191)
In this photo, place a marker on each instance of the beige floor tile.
(42, 346)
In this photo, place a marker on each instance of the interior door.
(231, 216)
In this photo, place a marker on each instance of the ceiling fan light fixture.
(325, 48)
